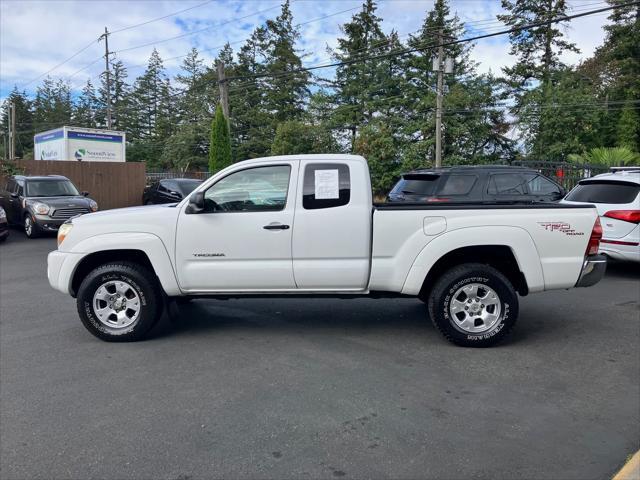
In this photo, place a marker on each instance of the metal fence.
(565, 173)
(155, 176)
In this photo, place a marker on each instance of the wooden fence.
(111, 184)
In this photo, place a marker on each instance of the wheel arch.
(144, 249)
(514, 254)
(501, 257)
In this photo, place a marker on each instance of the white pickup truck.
(306, 225)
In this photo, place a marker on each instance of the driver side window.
(260, 189)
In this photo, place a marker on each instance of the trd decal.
(563, 227)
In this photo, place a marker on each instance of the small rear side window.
(458, 185)
(326, 185)
(604, 192)
(417, 185)
(506, 184)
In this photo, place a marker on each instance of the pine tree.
(86, 107)
(537, 50)
(191, 103)
(357, 84)
(24, 123)
(285, 95)
(220, 146)
(251, 123)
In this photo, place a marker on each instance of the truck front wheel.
(473, 305)
(119, 302)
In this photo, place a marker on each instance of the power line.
(196, 31)
(162, 18)
(61, 63)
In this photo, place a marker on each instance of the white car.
(616, 195)
(306, 225)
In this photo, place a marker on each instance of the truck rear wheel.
(473, 305)
(119, 302)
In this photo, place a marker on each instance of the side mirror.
(196, 203)
(85, 194)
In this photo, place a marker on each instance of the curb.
(631, 470)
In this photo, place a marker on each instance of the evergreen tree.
(628, 129)
(24, 123)
(192, 103)
(356, 83)
(537, 50)
(251, 123)
(297, 137)
(86, 107)
(285, 95)
(220, 146)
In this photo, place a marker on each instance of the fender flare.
(149, 244)
(516, 238)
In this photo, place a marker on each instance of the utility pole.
(105, 35)
(224, 90)
(439, 101)
(12, 131)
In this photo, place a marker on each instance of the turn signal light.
(594, 240)
(632, 216)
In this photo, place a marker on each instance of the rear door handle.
(276, 226)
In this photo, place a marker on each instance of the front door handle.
(276, 226)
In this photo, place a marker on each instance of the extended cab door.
(242, 239)
(332, 234)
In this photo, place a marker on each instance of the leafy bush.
(611, 157)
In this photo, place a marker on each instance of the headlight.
(41, 208)
(63, 231)
(93, 205)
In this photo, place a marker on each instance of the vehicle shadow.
(623, 270)
(293, 315)
(301, 316)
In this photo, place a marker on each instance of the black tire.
(31, 229)
(470, 275)
(142, 283)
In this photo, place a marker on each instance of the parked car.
(4, 225)
(306, 224)
(42, 203)
(170, 190)
(475, 184)
(616, 195)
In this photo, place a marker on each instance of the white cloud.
(55, 29)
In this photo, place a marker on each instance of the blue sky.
(37, 35)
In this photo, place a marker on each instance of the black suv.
(475, 184)
(42, 204)
(169, 190)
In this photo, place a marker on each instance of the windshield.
(50, 188)
(602, 191)
(185, 187)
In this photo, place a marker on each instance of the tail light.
(632, 216)
(437, 199)
(594, 240)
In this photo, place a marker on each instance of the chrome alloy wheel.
(474, 308)
(28, 225)
(116, 304)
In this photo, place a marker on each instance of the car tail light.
(438, 199)
(632, 216)
(594, 240)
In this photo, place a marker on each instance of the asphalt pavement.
(316, 388)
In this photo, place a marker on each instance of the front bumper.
(60, 269)
(46, 223)
(593, 270)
